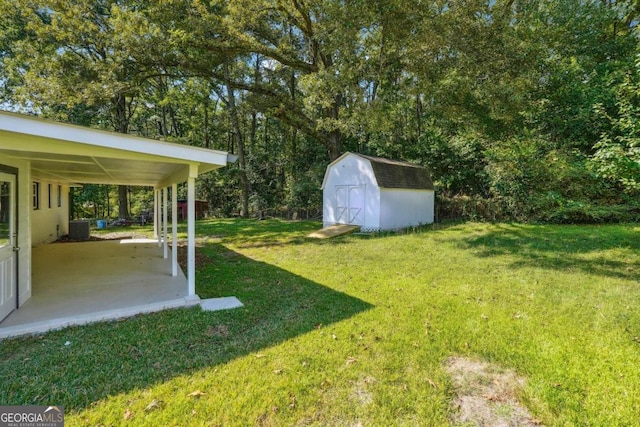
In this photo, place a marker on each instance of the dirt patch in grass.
(487, 395)
(361, 393)
(218, 331)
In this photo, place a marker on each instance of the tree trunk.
(123, 207)
(237, 136)
(205, 127)
(291, 165)
(334, 145)
(72, 206)
(254, 113)
(254, 130)
(335, 136)
(122, 126)
(290, 168)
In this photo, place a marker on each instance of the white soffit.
(73, 154)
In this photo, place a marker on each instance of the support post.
(159, 211)
(174, 229)
(191, 230)
(155, 213)
(165, 208)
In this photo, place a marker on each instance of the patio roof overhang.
(79, 155)
(76, 155)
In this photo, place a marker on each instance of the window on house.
(49, 194)
(36, 195)
(59, 196)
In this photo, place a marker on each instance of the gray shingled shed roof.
(396, 174)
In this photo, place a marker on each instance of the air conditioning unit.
(79, 230)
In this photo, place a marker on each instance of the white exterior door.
(350, 204)
(8, 255)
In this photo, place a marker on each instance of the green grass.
(356, 329)
(4, 234)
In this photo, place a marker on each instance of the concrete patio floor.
(77, 283)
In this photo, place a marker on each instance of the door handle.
(16, 249)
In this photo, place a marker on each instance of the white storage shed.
(376, 193)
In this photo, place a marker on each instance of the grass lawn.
(355, 331)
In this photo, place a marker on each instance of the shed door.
(356, 205)
(342, 204)
(350, 204)
(8, 258)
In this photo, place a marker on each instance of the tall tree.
(75, 57)
(236, 131)
(318, 45)
(617, 153)
(474, 88)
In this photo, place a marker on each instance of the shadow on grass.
(563, 248)
(254, 233)
(242, 231)
(78, 366)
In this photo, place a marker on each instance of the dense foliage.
(524, 110)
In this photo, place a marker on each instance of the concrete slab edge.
(209, 304)
(224, 303)
(83, 319)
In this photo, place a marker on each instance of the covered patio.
(55, 285)
(75, 283)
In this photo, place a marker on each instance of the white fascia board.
(326, 177)
(326, 172)
(201, 168)
(35, 127)
(36, 144)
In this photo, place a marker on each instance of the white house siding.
(24, 226)
(351, 171)
(401, 208)
(49, 222)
